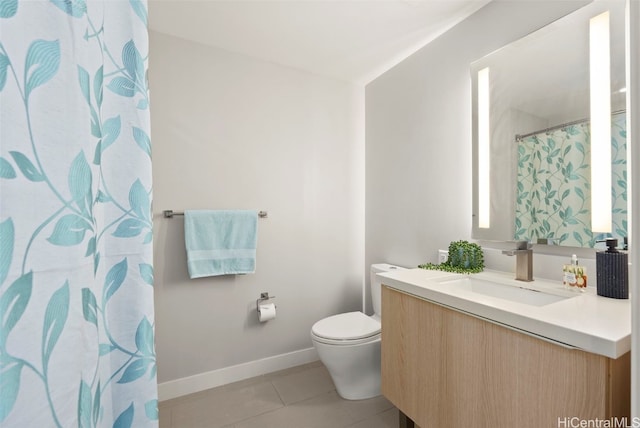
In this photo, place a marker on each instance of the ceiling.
(353, 40)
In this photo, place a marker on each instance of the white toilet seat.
(351, 328)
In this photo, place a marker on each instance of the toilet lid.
(347, 326)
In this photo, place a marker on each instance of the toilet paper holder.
(263, 298)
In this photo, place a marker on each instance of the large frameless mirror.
(537, 128)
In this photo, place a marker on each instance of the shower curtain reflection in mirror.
(553, 195)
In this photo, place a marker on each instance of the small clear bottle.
(574, 276)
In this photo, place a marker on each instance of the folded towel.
(220, 242)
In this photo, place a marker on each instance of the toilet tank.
(376, 285)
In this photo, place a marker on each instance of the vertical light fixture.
(600, 101)
(484, 163)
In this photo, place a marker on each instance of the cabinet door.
(443, 368)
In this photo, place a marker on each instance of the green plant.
(464, 257)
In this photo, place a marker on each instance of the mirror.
(537, 133)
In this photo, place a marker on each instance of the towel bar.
(171, 213)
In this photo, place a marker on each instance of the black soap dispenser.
(612, 271)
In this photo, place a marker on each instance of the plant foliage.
(464, 257)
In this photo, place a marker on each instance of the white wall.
(633, 130)
(418, 135)
(231, 132)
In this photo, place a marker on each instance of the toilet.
(349, 345)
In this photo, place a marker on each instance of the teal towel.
(220, 242)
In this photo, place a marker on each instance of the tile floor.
(299, 397)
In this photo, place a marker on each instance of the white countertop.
(585, 320)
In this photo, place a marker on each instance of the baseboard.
(200, 382)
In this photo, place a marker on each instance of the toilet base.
(354, 369)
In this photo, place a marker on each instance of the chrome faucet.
(524, 260)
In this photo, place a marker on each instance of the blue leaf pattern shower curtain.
(76, 275)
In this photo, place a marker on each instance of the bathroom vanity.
(480, 351)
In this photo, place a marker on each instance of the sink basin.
(512, 292)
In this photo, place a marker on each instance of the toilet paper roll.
(267, 312)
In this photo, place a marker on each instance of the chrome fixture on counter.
(524, 260)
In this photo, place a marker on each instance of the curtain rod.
(553, 128)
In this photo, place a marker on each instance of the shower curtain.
(553, 196)
(76, 275)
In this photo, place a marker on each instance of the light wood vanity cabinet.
(447, 369)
